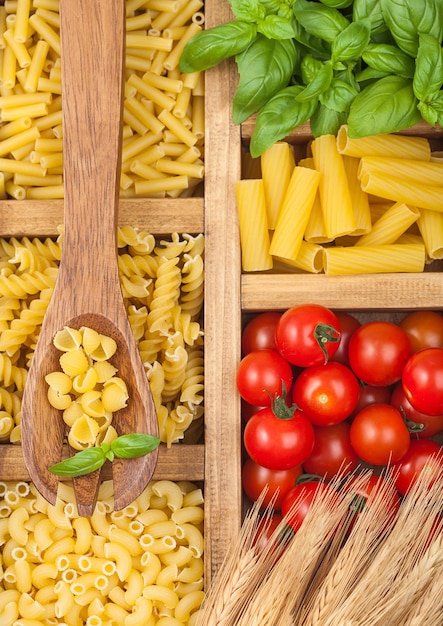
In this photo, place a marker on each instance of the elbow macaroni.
(119, 578)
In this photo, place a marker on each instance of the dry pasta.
(159, 104)
(163, 288)
(97, 572)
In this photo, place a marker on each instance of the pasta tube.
(334, 191)
(375, 259)
(388, 228)
(399, 190)
(310, 258)
(428, 173)
(294, 213)
(277, 165)
(253, 224)
(430, 225)
(360, 202)
(384, 145)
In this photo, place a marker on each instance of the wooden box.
(228, 296)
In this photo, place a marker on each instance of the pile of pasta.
(162, 283)
(163, 115)
(142, 565)
(353, 206)
(87, 389)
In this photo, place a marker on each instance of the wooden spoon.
(87, 291)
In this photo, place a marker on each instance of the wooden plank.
(40, 218)
(375, 291)
(180, 462)
(222, 310)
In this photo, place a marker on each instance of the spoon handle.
(93, 41)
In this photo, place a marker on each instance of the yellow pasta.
(391, 145)
(277, 164)
(388, 228)
(294, 213)
(428, 173)
(430, 224)
(360, 201)
(253, 225)
(374, 259)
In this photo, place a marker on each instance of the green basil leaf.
(134, 445)
(248, 10)
(339, 96)
(81, 463)
(369, 9)
(318, 84)
(321, 47)
(428, 113)
(276, 27)
(389, 59)
(319, 20)
(271, 6)
(278, 118)
(309, 68)
(265, 67)
(337, 4)
(370, 74)
(209, 47)
(428, 77)
(386, 106)
(325, 121)
(407, 18)
(352, 41)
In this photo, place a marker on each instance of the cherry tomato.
(307, 334)
(420, 425)
(332, 452)
(326, 394)
(278, 443)
(424, 455)
(278, 482)
(299, 500)
(248, 410)
(261, 375)
(259, 332)
(422, 381)
(266, 528)
(424, 329)
(348, 324)
(378, 352)
(374, 490)
(371, 395)
(379, 434)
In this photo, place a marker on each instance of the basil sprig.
(124, 447)
(376, 65)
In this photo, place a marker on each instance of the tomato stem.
(324, 334)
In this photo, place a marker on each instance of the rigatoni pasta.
(253, 221)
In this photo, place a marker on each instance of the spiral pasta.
(162, 283)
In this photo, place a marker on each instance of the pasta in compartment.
(59, 568)
(160, 106)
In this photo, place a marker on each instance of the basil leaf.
(319, 46)
(339, 96)
(325, 121)
(264, 67)
(387, 106)
(318, 84)
(248, 10)
(428, 77)
(351, 42)
(370, 74)
(134, 445)
(276, 27)
(432, 112)
(209, 47)
(319, 20)
(309, 68)
(337, 4)
(81, 463)
(279, 116)
(389, 59)
(369, 9)
(407, 18)
(271, 6)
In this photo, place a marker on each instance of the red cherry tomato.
(422, 381)
(278, 443)
(379, 434)
(265, 532)
(424, 329)
(261, 375)
(332, 452)
(371, 395)
(307, 334)
(424, 455)
(259, 332)
(255, 478)
(419, 424)
(378, 352)
(348, 324)
(326, 394)
(299, 500)
(373, 491)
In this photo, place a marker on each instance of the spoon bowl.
(88, 291)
